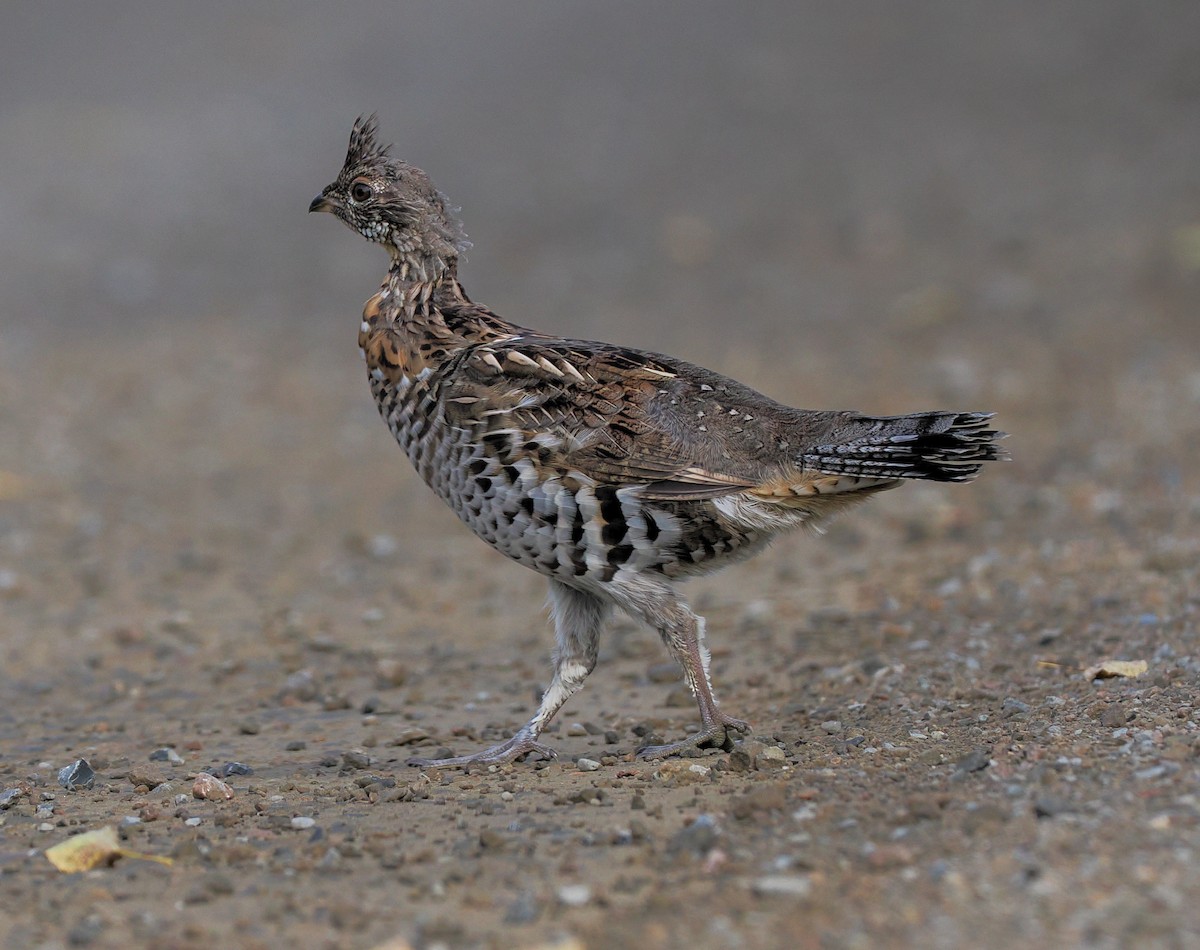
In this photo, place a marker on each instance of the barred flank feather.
(940, 446)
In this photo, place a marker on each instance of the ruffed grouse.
(613, 472)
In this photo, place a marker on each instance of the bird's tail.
(941, 446)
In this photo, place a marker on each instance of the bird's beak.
(321, 203)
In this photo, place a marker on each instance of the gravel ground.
(208, 543)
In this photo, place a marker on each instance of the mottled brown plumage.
(611, 471)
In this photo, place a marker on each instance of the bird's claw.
(717, 735)
(508, 751)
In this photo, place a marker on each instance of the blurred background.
(784, 170)
(875, 206)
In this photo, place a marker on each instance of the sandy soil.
(237, 565)
(209, 543)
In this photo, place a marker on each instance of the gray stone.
(78, 774)
(975, 761)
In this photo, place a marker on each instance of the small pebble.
(409, 736)
(303, 821)
(166, 754)
(1049, 806)
(524, 910)
(587, 765)
(771, 757)
(1114, 717)
(231, 768)
(78, 774)
(9, 796)
(211, 788)
(759, 801)
(740, 761)
(576, 729)
(301, 685)
(697, 838)
(147, 775)
(974, 761)
(781, 885)
(491, 839)
(390, 672)
(574, 895)
(86, 932)
(382, 546)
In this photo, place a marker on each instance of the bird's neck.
(438, 308)
(421, 302)
(411, 266)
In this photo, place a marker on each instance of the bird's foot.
(716, 735)
(509, 751)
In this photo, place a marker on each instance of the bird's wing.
(611, 414)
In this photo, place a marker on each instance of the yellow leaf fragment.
(93, 849)
(86, 851)
(1109, 669)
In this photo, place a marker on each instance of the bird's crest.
(364, 148)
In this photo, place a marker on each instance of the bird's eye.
(360, 192)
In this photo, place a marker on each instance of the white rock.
(781, 885)
(574, 895)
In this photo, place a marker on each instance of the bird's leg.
(578, 617)
(683, 633)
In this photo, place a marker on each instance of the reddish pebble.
(212, 788)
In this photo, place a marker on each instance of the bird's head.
(394, 204)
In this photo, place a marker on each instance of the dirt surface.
(209, 543)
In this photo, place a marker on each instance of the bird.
(615, 473)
